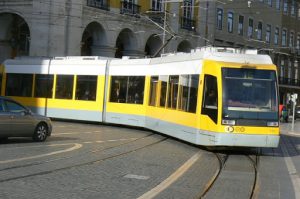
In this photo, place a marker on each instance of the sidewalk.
(286, 128)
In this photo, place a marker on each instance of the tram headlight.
(272, 123)
(228, 122)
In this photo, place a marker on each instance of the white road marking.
(138, 177)
(292, 171)
(293, 133)
(75, 133)
(172, 178)
(75, 147)
(118, 140)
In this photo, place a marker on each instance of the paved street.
(98, 161)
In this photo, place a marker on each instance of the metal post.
(294, 101)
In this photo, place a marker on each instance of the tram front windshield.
(249, 94)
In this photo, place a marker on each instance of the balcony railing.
(289, 81)
(101, 4)
(187, 23)
(130, 8)
(156, 15)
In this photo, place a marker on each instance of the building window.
(285, 6)
(19, 85)
(278, 4)
(298, 10)
(282, 67)
(188, 9)
(291, 40)
(276, 36)
(127, 89)
(241, 25)
(86, 87)
(230, 22)
(298, 42)
(102, 4)
(268, 33)
(259, 31)
(283, 38)
(129, 7)
(219, 18)
(157, 5)
(64, 86)
(290, 69)
(250, 28)
(269, 2)
(43, 86)
(293, 12)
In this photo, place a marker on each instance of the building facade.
(270, 26)
(111, 28)
(139, 28)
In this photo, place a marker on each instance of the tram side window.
(127, 89)
(210, 97)
(163, 90)
(187, 99)
(173, 91)
(153, 90)
(86, 87)
(64, 86)
(43, 86)
(19, 85)
(0, 83)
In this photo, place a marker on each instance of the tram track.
(81, 164)
(223, 160)
(255, 187)
(71, 156)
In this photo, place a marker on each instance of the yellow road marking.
(75, 147)
(172, 178)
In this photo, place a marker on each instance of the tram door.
(209, 110)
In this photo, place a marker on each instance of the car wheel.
(40, 133)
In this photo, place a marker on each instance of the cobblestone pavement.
(98, 161)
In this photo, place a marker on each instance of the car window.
(14, 107)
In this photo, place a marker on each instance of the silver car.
(18, 121)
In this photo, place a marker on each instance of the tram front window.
(249, 96)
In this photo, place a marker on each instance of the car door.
(22, 123)
(5, 126)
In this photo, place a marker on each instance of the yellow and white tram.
(206, 97)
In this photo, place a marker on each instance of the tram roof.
(166, 64)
